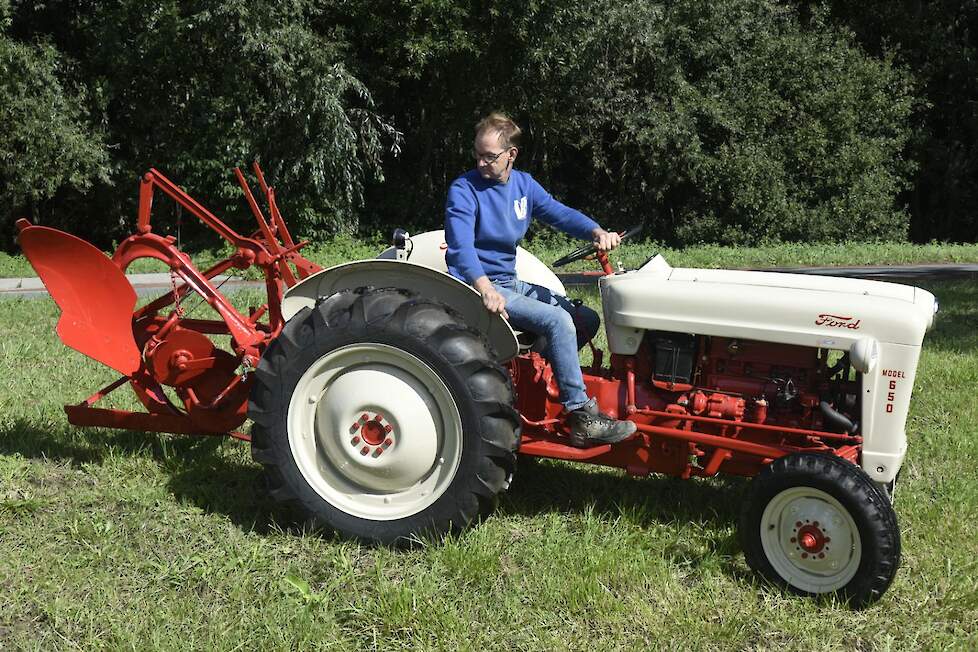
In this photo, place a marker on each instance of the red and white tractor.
(388, 404)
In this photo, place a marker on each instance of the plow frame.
(173, 349)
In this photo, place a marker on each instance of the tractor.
(387, 404)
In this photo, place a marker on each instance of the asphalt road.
(151, 284)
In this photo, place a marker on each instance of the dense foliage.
(938, 41)
(723, 122)
(196, 88)
(734, 122)
(48, 142)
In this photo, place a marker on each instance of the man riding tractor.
(487, 213)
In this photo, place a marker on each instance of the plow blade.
(95, 298)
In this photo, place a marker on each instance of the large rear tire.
(818, 525)
(383, 417)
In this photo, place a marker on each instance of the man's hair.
(509, 132)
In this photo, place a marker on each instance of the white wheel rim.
(375, 431)
(811, 540)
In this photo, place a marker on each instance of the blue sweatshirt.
(484, 221)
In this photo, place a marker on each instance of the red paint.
(373, 433)
(711, 423)
(151, 347)
(95, 298)
(811, 539)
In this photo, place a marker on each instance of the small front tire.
(817, 525)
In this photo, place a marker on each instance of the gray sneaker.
(589, 427)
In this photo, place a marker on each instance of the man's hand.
(605, 240)
(491, 299)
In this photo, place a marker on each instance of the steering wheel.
(589, 249)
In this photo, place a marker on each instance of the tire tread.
(435, 327)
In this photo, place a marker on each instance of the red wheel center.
(373, 433)
(811, 539)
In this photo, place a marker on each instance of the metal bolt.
(880, 469)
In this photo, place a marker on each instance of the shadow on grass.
(546, 486)
(199, 469)
(541, 486)
(205, 472)
(60, 443)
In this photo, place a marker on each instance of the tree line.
(738, 121)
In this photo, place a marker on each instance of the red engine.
(703, 404)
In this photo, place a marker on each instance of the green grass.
(116, 540)
(549, 247)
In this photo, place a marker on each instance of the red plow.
(158, 345)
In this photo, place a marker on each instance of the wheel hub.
(375, 431)
(380, 389)
(372, 435)
(811, 539)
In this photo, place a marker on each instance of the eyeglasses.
(488, 159)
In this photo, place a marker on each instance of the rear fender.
(417, 278)
(429, 249)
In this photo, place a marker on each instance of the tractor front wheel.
(818, 525)
(382, 416)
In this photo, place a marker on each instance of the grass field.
(125, 540)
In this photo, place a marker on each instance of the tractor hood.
(801, 309)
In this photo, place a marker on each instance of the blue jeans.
(536, 309)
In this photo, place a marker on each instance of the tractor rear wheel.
(818, 525)
(383, 417)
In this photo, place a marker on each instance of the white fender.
(421, 279)
(429, 249)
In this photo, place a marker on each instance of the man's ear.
(512, 156)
